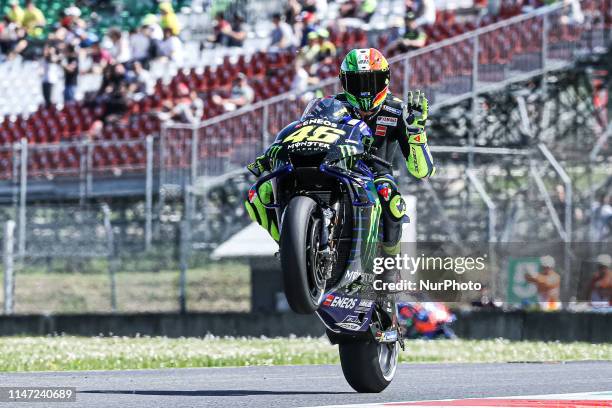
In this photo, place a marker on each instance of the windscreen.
(326, 108)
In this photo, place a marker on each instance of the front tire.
(369, 366)
(299, 244)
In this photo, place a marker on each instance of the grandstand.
(269, 73)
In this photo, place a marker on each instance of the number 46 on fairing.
(312, 133)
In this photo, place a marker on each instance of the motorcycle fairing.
(346, 314)
(312, 148)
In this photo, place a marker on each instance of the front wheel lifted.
(303, 279)
(369, 366)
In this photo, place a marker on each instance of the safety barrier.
(476, 324)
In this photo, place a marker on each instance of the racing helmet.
(365, 76)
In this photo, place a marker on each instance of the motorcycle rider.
(365, 77)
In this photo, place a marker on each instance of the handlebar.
(376, 159)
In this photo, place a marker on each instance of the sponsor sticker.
(364, 306)
(392, 110)
(364, 277)
(366, 303)
(340, 302)
(350, 323)
(386, 120)
(319, 121)
(380, 130)
(388, 336)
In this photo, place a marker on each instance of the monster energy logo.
(346, 151)
(273, 154)
(273, 151)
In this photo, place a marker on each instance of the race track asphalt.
(301, 386)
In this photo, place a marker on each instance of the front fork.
(327, 252)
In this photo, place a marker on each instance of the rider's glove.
(415, 116)
(419, 161)
(258, 166)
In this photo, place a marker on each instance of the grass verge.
(118, 353)
(218, 287)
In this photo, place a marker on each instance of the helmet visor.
(365, 84)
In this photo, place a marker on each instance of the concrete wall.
(562, 326)
(519, 325)
(164, 324)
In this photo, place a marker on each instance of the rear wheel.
(369, 366)
(303, 277)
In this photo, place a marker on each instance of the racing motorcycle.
(329, 213)
(426, 319)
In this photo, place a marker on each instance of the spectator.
(186, 108)
(51, 75)
(33, 19)
(411, 38)
(12, 39)
(600, 288)
(424, 10)
(229, 35)
(140, 45)
(15, 13)
(361, 9)
(100, 58)
(117, 45)
(152, 27)
(309, 53)
(547, 283)
(141, 81)
(302, 81)
(327, 48)
(307, 24)
(76, 28)
(220, 26)
(71, 73)
(169, 18)
(238, 33)
(318, 48)
(116, 103)
(115, 76)
(282, 34)
(601, 218)
(241, 95)
(292, 11)
(70, 17)
(172, 47)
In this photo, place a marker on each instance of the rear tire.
(369, 366)
(299, 243)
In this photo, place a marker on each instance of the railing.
(87, 161)
(449, 72)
